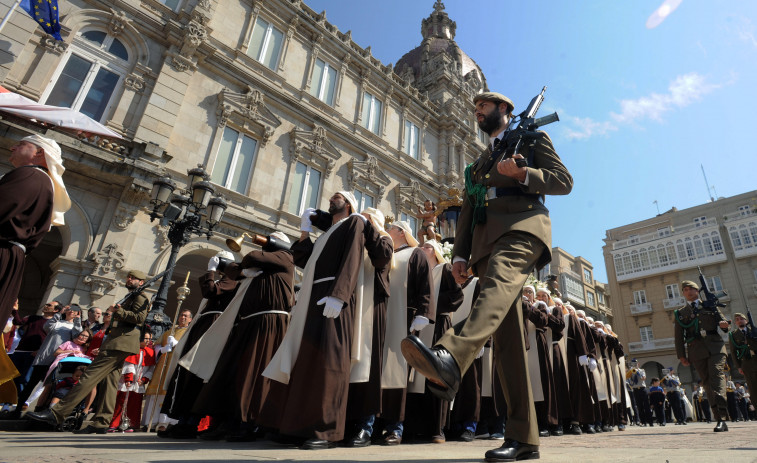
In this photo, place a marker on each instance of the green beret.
(739, 314)
(139, 275)
(495, 97)
(689, 283)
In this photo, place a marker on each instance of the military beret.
(139, 275)
(689, 283)
(495, 97)
(739, 314)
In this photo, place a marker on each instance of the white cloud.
(745, 31)
(586, 127)
(683, 91)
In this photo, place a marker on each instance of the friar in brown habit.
(537, 314)
(410, 309)
(33, 199)
(364, 400)
(314, 359)
(582, 408)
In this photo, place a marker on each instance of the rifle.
(711, 301)
(146, 285)
(526, 129)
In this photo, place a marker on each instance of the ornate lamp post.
(183, 214)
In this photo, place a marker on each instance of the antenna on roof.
(706, 183)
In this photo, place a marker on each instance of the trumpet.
(235, 244)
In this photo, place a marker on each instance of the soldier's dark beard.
(132, 285)
(491, 122)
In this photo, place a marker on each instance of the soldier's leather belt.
(711, 332)
(500, 192)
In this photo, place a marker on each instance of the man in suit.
(744, 350)
(503, 233)
(121, 340)
(698, 342)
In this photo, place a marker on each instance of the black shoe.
(91, 430)
(467, 436)
(513, 450)
(362, 439)
(557, 431)
(589, 429)
(436, 364)
(392, 439)
(575, 430)
(317, 444)
(621, 427)
(45, 416)
(544, 433)
(606, 428)
(721, 427)
(684, 423)
(217, 433)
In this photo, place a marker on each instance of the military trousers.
(497, 313)
(749, 367)
(106, 367)
(711, 370)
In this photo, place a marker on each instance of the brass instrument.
(235, 244)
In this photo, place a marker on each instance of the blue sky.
(640, 108)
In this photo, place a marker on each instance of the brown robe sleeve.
(26, 206)
(380, 251)
(419, 285)
(576, 334)
(556, 321)
(271, 262)
(450, 293)
(536, 316)
(301, 251)
(211, 288)
(353, 242)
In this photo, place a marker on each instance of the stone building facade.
(281, 107)
(575, 276)
(647, 261)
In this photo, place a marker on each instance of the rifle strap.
(476, 196)
(694, 323)
(741, 350)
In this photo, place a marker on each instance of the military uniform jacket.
(520, 208)
(742, 347)
(124, 331)
(696, 332)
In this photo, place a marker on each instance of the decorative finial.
(438, 6)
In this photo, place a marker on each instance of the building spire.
(438, 25)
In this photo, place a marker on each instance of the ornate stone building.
(647, 261)
(575, 276)
(281, 107)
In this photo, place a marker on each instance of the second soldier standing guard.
(699, 343)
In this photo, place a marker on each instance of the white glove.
(251, 272)
(213, 263)
(592, 364)
(305, 224)
(332, 306)
(541, 305)
(170, 344)
(480, 353)
(419, 322)
(583, 360)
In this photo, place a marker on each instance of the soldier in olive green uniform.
(121, 340)
(744, 350)
(698, 342)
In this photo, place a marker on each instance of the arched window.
(89, 74)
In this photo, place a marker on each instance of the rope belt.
(263, 313)
(211, 312)
(16, 243)
(321, 280)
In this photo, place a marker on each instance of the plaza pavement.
(671, 444)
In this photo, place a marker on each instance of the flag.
(45, 13)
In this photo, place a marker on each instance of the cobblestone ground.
(693, 443)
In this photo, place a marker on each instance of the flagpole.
(9, 13)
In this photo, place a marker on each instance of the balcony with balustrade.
(640, 309)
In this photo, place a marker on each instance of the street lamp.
(183, 214)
